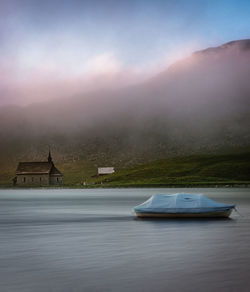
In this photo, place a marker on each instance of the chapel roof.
(34, 167)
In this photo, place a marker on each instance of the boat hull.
(215, 214)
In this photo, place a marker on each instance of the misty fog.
(199, 104)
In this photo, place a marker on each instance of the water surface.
(90, 240)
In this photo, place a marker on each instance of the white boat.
(182, 205)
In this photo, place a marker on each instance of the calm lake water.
(90, 240)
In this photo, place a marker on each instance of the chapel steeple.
(50, 157)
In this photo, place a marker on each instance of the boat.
(182, 206)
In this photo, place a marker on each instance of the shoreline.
(103, 186)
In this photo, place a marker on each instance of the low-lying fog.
(201, 103)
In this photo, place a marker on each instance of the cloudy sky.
(58, 48)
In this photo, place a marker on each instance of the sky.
(58, 48)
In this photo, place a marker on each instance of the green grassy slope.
(189, 170)
(192, 170)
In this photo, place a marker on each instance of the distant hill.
(198, 105)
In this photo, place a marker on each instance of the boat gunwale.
(225, 213)
(186, 210)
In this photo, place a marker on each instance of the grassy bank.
(196, 170)
(202, 170)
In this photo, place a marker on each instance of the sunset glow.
(49, 45)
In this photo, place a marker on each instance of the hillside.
(229, 169)
(201, 170)
(198, 105)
